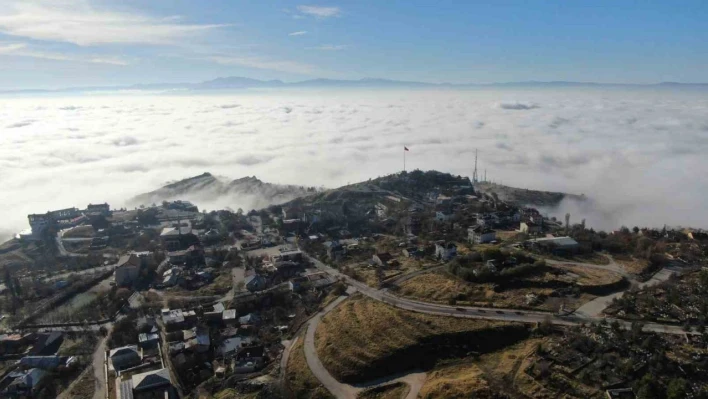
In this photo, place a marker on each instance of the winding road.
(416, 379)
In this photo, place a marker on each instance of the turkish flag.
(405, 148)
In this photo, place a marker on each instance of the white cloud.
(10, 48)
(83, 23)
(298, 33)
(23, 50)
(268, 64)
(69, 151)
(328, 47)
(319, 11)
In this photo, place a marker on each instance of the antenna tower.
(474, 175)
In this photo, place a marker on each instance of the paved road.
(416, 380)
(482, 312)
(62, 250)
(337, 389)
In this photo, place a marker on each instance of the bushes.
(469, 267)
(125, 332)
(522, 270)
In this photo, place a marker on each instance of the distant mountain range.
(235, 82)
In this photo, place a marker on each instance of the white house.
(529, 227)
(445, 251)
(128, 269)
(442, 216)
(480, 235)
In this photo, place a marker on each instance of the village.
(168, 301)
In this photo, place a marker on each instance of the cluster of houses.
(288, 265)
(61, 219)
(214, 336)
(37, 360)
(192, 345)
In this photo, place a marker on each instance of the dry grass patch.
(434, 287)
(299, 379)
(588, 277)
(397, 390)
(85, 386)
(363, 339)
(633, 266)
(441, 287)
(456, 381)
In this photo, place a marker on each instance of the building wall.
(125, 275)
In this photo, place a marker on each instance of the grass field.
(591, 277)
(13, 254)
(299, 379)
(632, 265)
(397, 390)
(441, 287)
(464, 380)
(363, 339)
(483, 377)
(594, 258)
(84, 387)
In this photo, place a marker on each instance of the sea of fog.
(639, 154)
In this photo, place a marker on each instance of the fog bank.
(638, 154)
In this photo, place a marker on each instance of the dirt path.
(612, 266)
(98, 359)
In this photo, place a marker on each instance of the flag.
(405, 148)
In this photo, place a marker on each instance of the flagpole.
(404, 158)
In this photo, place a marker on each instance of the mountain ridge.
(239, 82)
(247, 192)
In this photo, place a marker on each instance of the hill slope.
(521, 196)
(208, 190)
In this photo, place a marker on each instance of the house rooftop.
(175, 231)
(558, 241)
(151, 379)
(123, 350)
(228, 314)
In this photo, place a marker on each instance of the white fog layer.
(640, 155)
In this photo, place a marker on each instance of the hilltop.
(207, 188)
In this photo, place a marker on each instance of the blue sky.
(62, 43)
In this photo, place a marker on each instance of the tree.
(647, 387)
(9, 283)
(677, 388)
